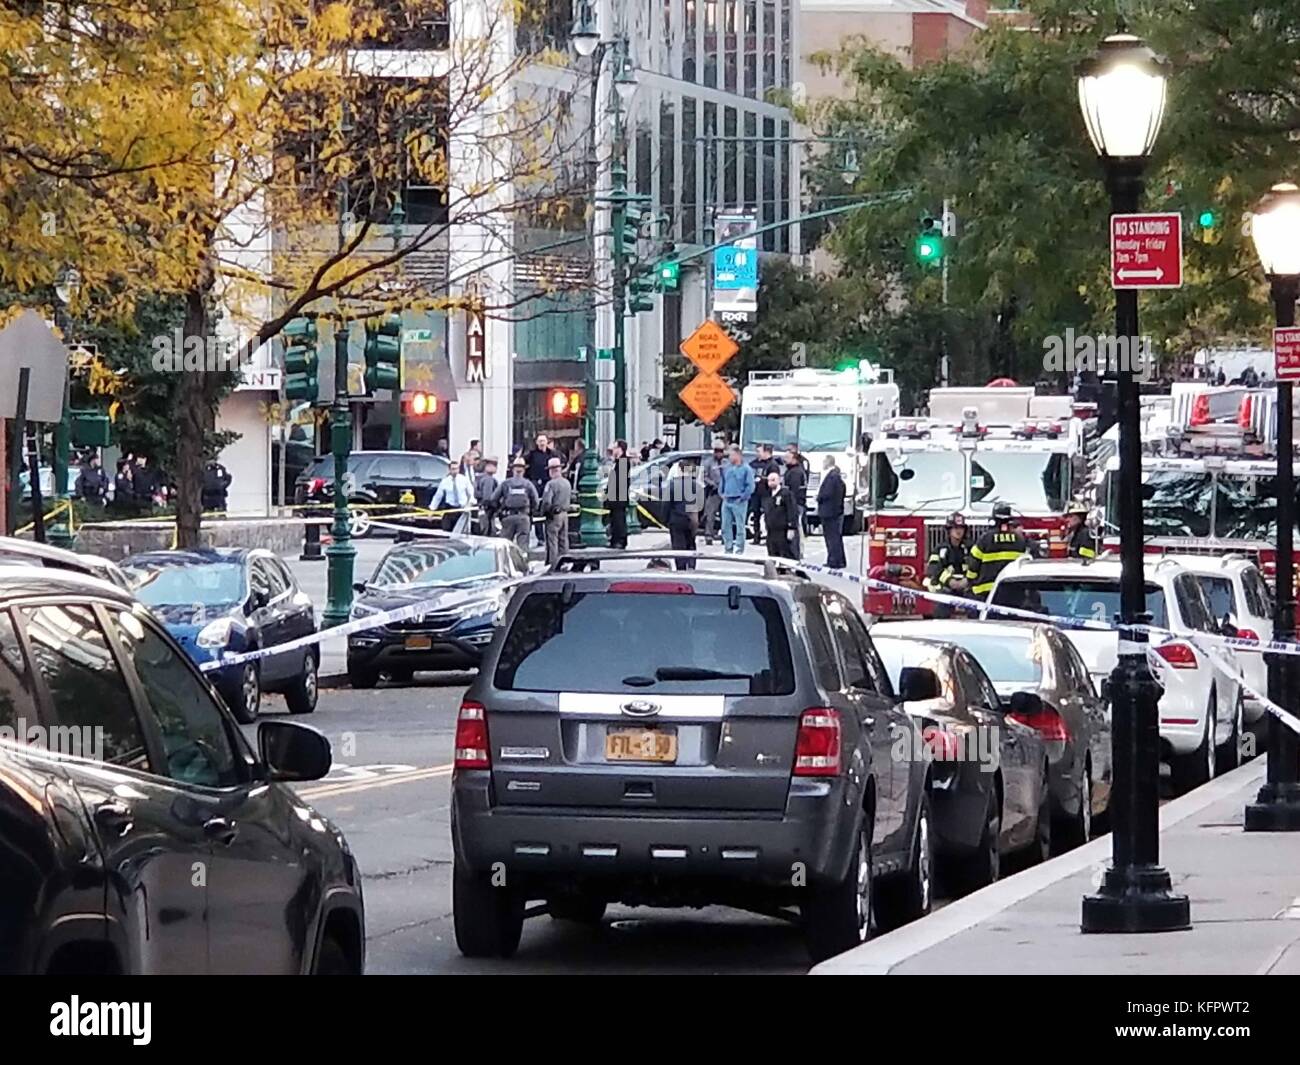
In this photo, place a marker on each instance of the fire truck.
(976, 448)
(825, 412)
(1208, 477)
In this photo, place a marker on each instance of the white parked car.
(1201, 708)
(1242, 602)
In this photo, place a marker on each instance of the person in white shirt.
(455, 495)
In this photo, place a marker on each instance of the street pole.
(1277, 806)
(1136, 892)
(340, 554)
(61, 528)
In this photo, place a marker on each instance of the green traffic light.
(1206, 219)
(928, 248)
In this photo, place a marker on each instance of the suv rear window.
(1218, 590)
(1066, 597)
(630, 642)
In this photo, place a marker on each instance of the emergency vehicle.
(824, 412)
(976, 448)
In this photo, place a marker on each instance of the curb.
(331, 681)
(880, 956)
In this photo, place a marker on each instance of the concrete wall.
(117, 541)
(249, 458)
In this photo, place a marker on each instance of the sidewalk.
(1243, 887)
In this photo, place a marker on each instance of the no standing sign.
(1146, 250)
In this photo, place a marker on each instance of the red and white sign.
(1286, 353)
(1146, 250)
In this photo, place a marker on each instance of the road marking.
(352, 787)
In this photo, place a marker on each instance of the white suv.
(1201, 708)
(1240, 597)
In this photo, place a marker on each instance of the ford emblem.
(640, 708)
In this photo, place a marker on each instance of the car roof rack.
(772, 567)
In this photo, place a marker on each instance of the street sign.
(709, 347)
(27, 342)
(1286, 353)
(707, 395)
(1146, 250)
(735, 267)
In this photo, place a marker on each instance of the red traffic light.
(567, 402)
(422, 403)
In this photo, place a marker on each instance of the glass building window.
(785, 37)
(690, 155)
(668, 157)
(783, 188)
(730, 153)
(767, 208)
(712, 157)
(644, 160)
(751, 159)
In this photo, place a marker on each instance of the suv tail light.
(1178, 655)
(817, 747)
(1247, 634)
(472, 737)
(1048, 723)
(317, 483)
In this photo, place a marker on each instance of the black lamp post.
(1122, 95)
(1275, 228)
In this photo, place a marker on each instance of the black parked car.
(989, 771)
(719, 735)
(461, 577)
(134, 776)
(214, 600)
(379, 476)
(1037, 667)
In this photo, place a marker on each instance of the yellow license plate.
(418, 643)
(640, 745)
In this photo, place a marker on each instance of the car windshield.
(653, 644)
(442, 563)
(185, 583)
(1005, 657)
(1246, 507)
(812, 432)
(1031, 482)
(1079, 598)
(918, 480)
(1175, 502)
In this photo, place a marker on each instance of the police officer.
(1002, 544)
(945, 571)
(516, 499)
(216, 482)
(1082, 544)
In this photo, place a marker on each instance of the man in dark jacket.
(216, 481)
(538, 460)
(762, 466)
(683, 496)
(1002, 544)
(485, 490)
(830, 513)
(796, 479)
(616, 495)
(780, 517)
(92, 482)
(516, 500)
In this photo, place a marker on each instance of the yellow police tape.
(65, 504)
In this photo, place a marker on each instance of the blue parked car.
(234, 599)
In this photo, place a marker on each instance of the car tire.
(362, 677)
(581, 909)
(332, 960)
(1229, 753)
(246, 700)
(906, 898)
(1078, 829)
(983, 866)
(488, 920)
(301, 698)
(838, 917)
(1197, 767)
(359, 525)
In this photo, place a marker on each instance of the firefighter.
(1002, 544)
(945, 572)
(1082, 544)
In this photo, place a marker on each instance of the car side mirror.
(260, 599)
(1025, 704)
(916, 684)
(359, 586)
(293, 752)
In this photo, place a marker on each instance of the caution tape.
(65, 504)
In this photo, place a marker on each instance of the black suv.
(379, 476)
(122, 776)
(682, 738)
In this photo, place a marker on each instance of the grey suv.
(683, 738)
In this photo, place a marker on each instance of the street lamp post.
(1275, 229)
(66, 289)
(340, 555)
(1122, 95)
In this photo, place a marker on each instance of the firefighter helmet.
(1002, 513)
(1076, 507)
(956, 520)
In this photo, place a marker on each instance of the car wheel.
(903, 899)
(362, 676)
(488, 920)
(1078, 830)
(581, 909)
(838, 917)
(359, 527)
(247, 698)
(1197, 767)
(984, 866)
(301, 698)
(332, 960)
(1229, 753)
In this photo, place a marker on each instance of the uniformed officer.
(945, 571)
(1082, 543)
(516, 500)
(1002, 544)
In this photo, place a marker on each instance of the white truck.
(824, 412)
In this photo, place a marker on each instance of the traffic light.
(1207, 222)
(418, 404)
(669, 274)
(568, 402)
(629, 232)
(384, 352)
(300, 360)
(928, 246)
(640, 290)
